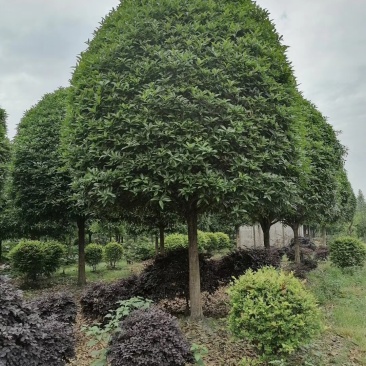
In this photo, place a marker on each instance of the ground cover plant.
(60, 305)
(149, 337)
(28, 339)
(102, 335)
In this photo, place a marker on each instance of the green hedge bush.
(176, 241)
(139, 250)
(273, 310)
(93, 255)
(113, 253)
(206, 241)
(223, 240)
(34, 258)
(27, 259)
(213, 243)
(347, 252)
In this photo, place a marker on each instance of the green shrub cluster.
(113, 253)
(207, 242)
(93, 255)
(139, 250)
(176, 241)
(34, 258)
(347, 252)
(273, 310)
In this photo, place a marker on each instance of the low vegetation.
(274, 311)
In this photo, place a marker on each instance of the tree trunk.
(254, 239)
(81, 243)
(156, 245)
(194, 267)
(237, 234)
(266, 227)
(162, 239)
(324, 236)
(90, 237)
(350, 228)
(295, 228)
(1, 250)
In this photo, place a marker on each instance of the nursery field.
(340, 294)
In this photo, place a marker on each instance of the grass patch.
(103, 273)
(343, 298)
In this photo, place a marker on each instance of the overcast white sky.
(39, 41)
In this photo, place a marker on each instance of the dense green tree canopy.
(182, 101)
(185, 103)
(320, 163)
(41, 188)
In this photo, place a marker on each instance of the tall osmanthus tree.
(343, 210)
(183, 103)
(321, 161)
(41, 190)
(40, 184)
(4, 167)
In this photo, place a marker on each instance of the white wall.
(252, 236)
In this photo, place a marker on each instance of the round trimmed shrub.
(273, 310)
(54, 255)
(28, 339)
(93, 255)
(176, 241)
(34, 258)
(27, 258)
(347, 252)
(149, 337)
(223, 240)
(113, 252)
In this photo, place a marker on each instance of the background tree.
(322, 159)
(185, 103)
(41, 189)
(340, 220)
(40, 184)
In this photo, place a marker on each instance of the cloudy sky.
(39, 41)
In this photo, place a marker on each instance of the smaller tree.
(113, 253)
(93, 255)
